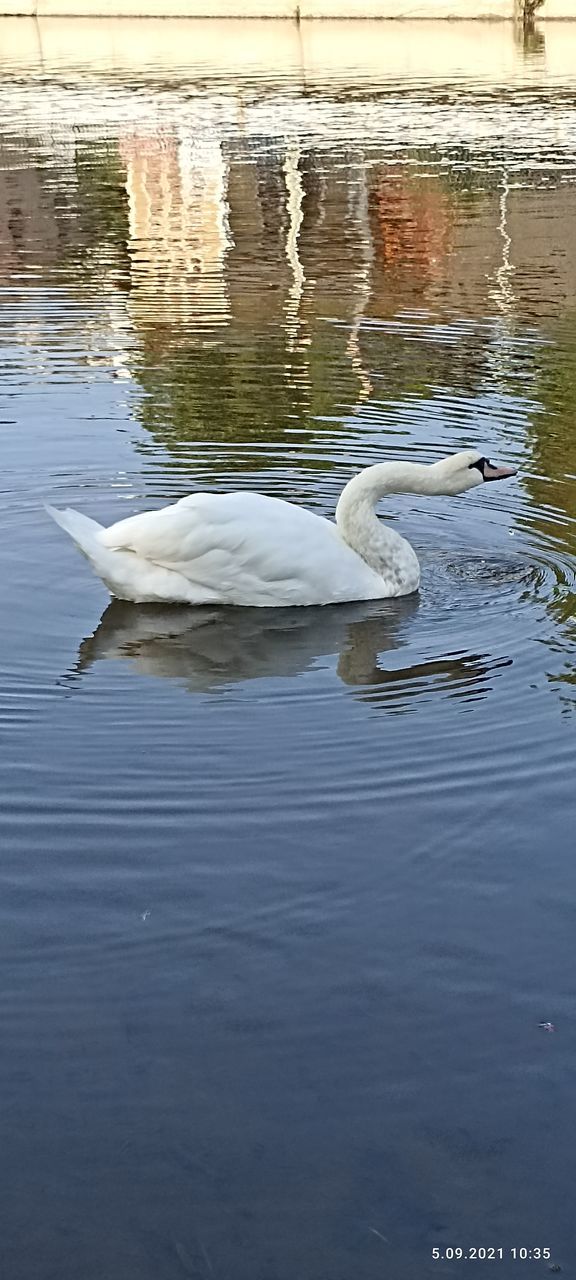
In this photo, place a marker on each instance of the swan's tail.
(83, 531)
(110, 566)
(124, 573)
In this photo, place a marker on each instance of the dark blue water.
(285, 895)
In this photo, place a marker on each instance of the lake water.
(286, 894)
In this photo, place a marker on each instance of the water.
(286, 894)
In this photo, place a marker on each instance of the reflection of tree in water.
(244, 391)
(100, 208)
(551, 483)
(552, 430)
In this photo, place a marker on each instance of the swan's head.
(464, 471)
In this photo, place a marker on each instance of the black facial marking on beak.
(480, 465)
(489, 472)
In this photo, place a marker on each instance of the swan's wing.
(247, 523)
(234, 541)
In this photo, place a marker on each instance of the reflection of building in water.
(258, 269)
(283, 255)
(293, 248)
(412, 221)
(59, 254)
(178, 233)
(295, 192)
(28, 223)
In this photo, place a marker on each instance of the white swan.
(248, 549)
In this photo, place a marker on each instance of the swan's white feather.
(249, 549)
(239, 548)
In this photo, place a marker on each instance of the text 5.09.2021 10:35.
(491, 1253)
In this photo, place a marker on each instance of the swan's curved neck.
(356, 518)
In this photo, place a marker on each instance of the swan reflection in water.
(209, 649)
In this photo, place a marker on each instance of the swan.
(248, 549)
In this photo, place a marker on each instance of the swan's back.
(246, 547)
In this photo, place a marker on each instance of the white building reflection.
(176, 182)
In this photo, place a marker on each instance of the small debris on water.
(144, 915)
(547, 1026)
(379, 1234)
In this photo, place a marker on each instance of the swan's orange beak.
(491, 472)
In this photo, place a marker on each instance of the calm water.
(286, 894)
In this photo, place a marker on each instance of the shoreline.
(297, 11)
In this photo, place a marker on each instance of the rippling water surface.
(286, 894)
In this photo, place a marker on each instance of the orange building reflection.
(412, 223)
